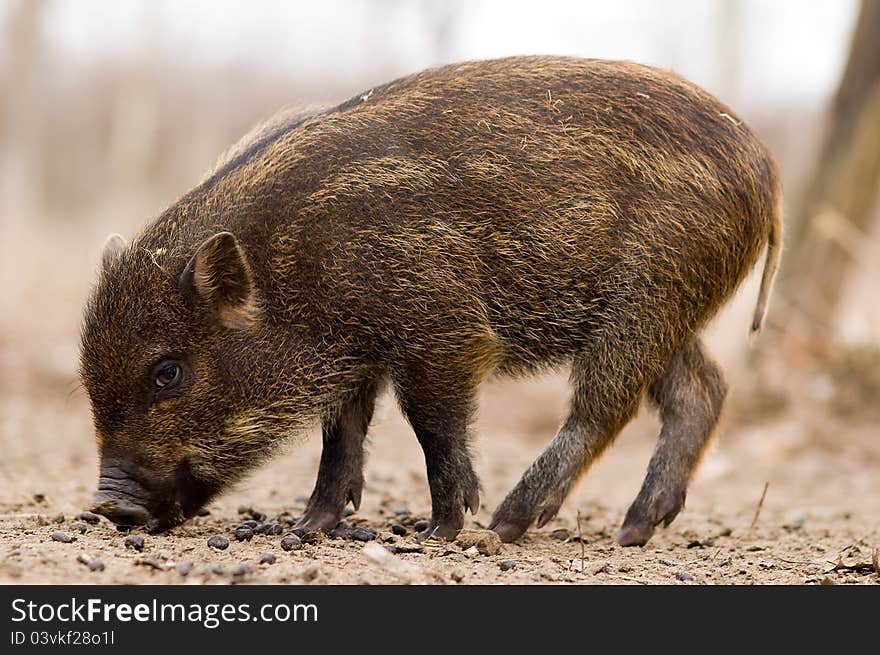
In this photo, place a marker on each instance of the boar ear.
(113, 247)
(219, 276)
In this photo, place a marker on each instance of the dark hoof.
(509, 532)
(446, 531)
(634, 535)
(315, 521)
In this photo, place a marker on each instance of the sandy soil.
(819, 522)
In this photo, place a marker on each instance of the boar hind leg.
(340, 475)
(607, 386)
(440, 414)
(689, 393)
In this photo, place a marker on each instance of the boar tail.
(771, 263)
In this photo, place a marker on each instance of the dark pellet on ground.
(152, 561)
(96, 565)
(267, 558)
(63, 537)
(291, 542)
(362, 534)
(422, 525)
(684, 576)
(258, 516)
(185, 567)
(135, 541)
(398, 529)
(218, 542)
(244, 534)
(242, 569)
(271, 528)
(507, 565)
(79, 526)
(39, 498)
(250, 523)
(88, 517)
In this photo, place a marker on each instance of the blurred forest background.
(110, 110)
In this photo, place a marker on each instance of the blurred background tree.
(838, 211)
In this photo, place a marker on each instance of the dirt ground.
(819, 522)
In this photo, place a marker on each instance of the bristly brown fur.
(498, 216)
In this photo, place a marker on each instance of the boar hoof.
(443, 530)
(634, 534)
(509, 532)
(322, 520)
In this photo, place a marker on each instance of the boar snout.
(119, 510)
(120, 496)
(130, 495)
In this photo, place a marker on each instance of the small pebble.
(684, 576)
(244, 534)
(398, 529)
(507, 565)
(39, 498)
(134, 541)
(291, 542)
(422, 525)
(218, 542)
(96, 565)
(88, 517)
(79, 526)
(63, 537)
(152, 561)
(242, 569)
(267, 558)
(457, 575)
(185, 567)
(485, 541)
(561, 534)
(362, 534)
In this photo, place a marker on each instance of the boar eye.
(168, 376)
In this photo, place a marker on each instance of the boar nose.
(120, 497)
(120, 511)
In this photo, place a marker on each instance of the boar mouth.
(132, 496)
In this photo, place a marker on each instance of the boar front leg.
(340, 475)
(690, 394)
(439, 405)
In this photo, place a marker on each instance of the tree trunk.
(825, 238)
